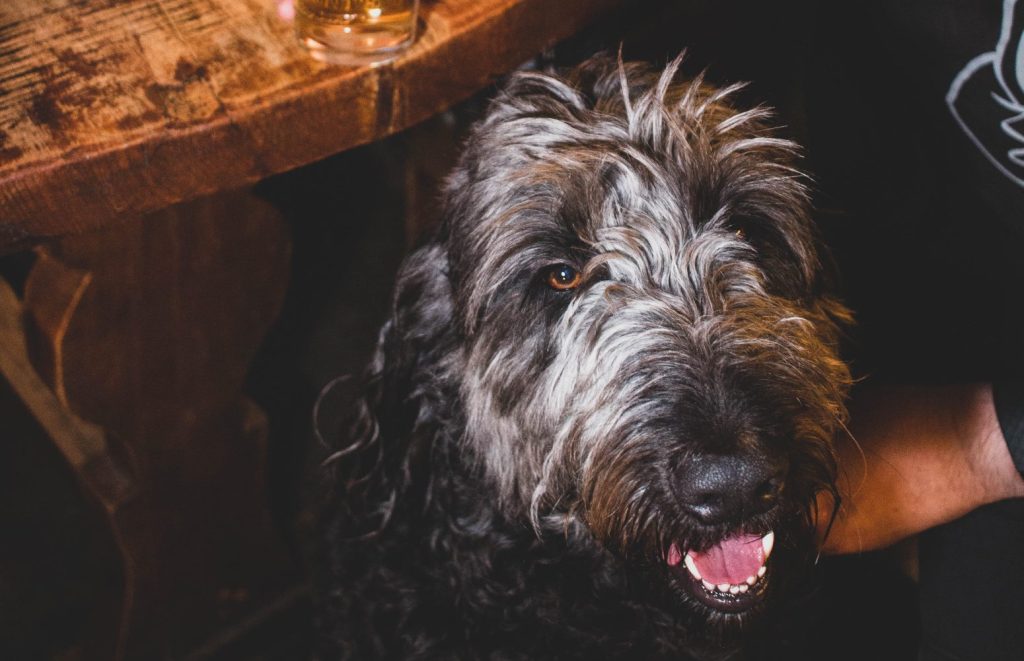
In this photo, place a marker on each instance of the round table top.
(112, 108)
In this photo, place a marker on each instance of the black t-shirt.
(916, 113)
(966, 58)
(976, 50)
(916, 122)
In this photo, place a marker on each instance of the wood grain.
(115, 107)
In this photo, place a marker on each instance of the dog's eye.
(752, 230)
(741, 226)
(563, 277)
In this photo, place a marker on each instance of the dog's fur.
(507, 491)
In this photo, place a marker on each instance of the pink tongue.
(732, 561)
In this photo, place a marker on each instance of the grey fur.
(703, 324)
(684, 291)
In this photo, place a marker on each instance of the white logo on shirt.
(991, 87)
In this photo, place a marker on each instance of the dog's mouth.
(731, 576)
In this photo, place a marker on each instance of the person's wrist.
(985, 446)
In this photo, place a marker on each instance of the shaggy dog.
(599, 415)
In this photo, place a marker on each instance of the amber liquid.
(355, 31)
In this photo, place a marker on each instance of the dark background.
(927, 265)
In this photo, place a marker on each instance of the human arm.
(923, 456)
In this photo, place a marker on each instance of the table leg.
(146, 330)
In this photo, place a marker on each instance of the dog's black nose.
(728, 488)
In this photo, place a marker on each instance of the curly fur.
(506, 492)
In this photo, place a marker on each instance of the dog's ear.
(414, 340)
(394, 419)
(827, 281)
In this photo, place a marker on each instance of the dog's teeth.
(707, 585)
(734, 589)
(744, 587)
(692, 566)
(767, 543)
(751, 580)
(722, 587)
(761, 572)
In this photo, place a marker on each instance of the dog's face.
(647, 348)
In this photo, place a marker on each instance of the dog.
(600, 413)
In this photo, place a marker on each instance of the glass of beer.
(355, 32)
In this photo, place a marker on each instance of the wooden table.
(129, 130)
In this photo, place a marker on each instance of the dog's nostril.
(768, 493)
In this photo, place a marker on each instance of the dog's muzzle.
(727, 491)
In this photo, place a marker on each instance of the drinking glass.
(356, 32)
